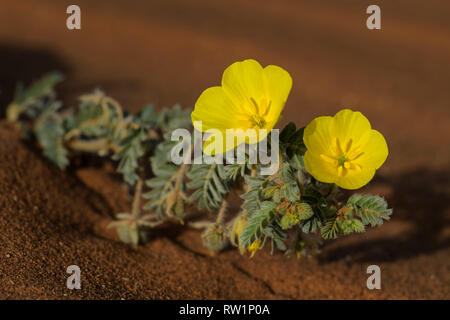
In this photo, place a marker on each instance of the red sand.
(167, 53)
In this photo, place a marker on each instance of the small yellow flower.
(251, 97)
(344, 149)
(254, 247)
(238, 228)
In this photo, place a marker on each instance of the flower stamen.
(343, 159)
(329, 159)
(257, 119)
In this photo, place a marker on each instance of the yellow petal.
(244, 80)
(279, 84)
(254, 247)
(319, 168)
(375, 151)
(318, 135)
(215, 109)
(349, 124)
(354, 179)
(220, 141)
(250, 98)
(214, 143)
(346, 137)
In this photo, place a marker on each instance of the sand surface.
(167, 52)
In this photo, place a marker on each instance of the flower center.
(259, 112)
(341, 160)
(343, 157)
(257, 121)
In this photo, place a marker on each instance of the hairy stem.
(93, 145)
(222, 210)
(301, 182)
(182, 171)
(253, 172)
(179, 177)
(136, 207)
(200, 224)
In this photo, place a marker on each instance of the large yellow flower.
(251, 98)
(344, 149)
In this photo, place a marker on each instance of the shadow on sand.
(23, 65)
(419, 197)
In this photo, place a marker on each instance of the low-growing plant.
(287, 209)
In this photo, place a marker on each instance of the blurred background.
(166, 52)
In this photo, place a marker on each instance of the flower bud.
(238, 227)
(214, 238)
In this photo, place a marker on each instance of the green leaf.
(250, 195)
(50, 135)
(297, 162)
(89, 120)
(161, 154)
(39, 88)
(288, 221)
(329, 230)
(372, 209)
(290, 191)
(156, 182)
(254, 182)
(287, 174)
(351, 225)
(255, 227)
(291, 141)
(209, 184)
(304, 211)
(32, 100)
(129, 156)
(235, 171)
(268, 206)
(164, 170)
(147, 117)
(287, 132)
(277, 236)
(312, 224)
(128, 234)
(175, 118)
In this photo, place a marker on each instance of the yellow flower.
(238, 228)
(251, 97)
(344, 149)
(254, 247)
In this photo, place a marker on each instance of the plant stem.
(93, 145)
(179, 177)
(222, 210)
(333, 190)
(253, 172)
(301, 182)
(182, 171)
(136, 207)
(200, 224)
